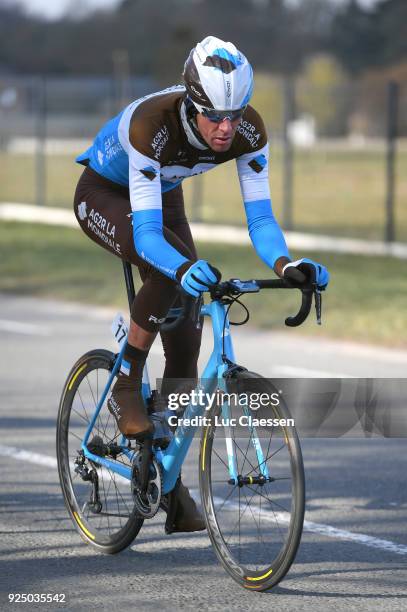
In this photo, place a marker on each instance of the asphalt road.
(354, 548)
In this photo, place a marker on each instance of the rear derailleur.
(89, 475)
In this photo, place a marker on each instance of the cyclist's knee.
(182, 346)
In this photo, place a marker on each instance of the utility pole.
(121, 75)
(41, 136)
(392, 123)
(288, 104)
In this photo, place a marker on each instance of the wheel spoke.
(266, 459)
(220, 458)
(226, 499)
(83, 405)
(96, 425)
(80, 438)
(271, 501)
(247, 449)
(118, 490)
(245, 458)
(238, 522)
(80, 416)
(254, 518)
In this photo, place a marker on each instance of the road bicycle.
(251, 475)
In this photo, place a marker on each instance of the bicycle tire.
(254, 575)
(120, 527)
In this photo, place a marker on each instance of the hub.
(250, 480)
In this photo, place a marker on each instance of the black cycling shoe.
(183, 515)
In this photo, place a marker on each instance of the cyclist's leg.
(181, 350)
(184, 515)
(181, 346)
(104, 213)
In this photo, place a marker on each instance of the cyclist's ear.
(216, 272)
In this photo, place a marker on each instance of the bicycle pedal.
(163, 443)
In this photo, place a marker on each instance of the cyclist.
(129, 200)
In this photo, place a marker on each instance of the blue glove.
(199, 277)
(305, 271)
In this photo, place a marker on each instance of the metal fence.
(338, 151)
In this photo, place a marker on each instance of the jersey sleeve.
(146, 202)
(264, 231)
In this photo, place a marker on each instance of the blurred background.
(330, 84)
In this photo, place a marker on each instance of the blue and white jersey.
(151, 148)
(110, 152)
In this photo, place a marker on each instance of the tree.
(391, 17)
(355, 38)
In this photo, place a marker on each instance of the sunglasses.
(219, 115)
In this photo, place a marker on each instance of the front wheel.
(254, 521)
(99, 501)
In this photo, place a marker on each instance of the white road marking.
(27, 329)
(36, 458)
(360, 538)
(321, 529)
(324, 530)
(24, 455)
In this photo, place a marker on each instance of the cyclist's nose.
(226, 127)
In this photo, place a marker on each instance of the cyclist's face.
(219, 136)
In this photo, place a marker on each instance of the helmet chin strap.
(188, 114)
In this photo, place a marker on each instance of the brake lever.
(196, 312)
(190, 309)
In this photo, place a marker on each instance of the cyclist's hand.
(198, 277)
(305, 272)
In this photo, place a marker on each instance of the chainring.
(147, 504)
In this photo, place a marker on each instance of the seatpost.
(128, 277)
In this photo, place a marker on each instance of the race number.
(119, 329)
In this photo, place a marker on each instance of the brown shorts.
(103, 211)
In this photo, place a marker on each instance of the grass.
(335, 192)
(366, 300)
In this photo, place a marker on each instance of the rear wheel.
(99, 501)
(254, 522)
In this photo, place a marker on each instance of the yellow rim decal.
(251, 479)
(260, 577)
(78, 520)
(75, 376)
(204, 448)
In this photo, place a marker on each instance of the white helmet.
(218, 77)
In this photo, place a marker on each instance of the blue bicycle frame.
(172, 458)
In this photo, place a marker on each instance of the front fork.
(225, 358)
(235, 477)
